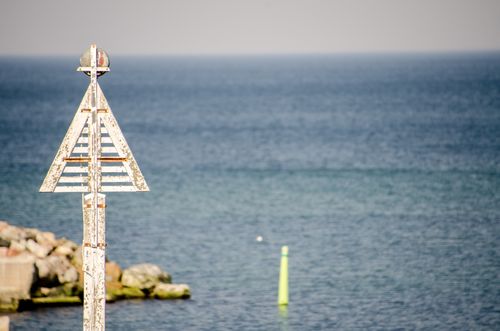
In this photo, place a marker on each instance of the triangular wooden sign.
(69, 171)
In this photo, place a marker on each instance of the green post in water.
(283, 286)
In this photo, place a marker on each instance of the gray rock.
(12, 233)
(171, 291)
(113, 272)
(70, 275)
(45, 271)
(37, 249)
(30, 233)
(65, 247)
(144, 276)
(77, 259)
(46, 239)
(67, 243)
(55, 270)
(18, 246)
(63, 251)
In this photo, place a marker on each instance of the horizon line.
(248, 54)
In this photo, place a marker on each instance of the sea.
(380, 172)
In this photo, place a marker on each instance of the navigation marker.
(94, 157)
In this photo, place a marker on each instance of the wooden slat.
(100, 110)
(85, 150)
(85, 140)
(81, 150)
(86, 130)
(76, 159)
(105, 179)
(106, 140)
(74, 170)
(116, 179)
(111, 169)
(110, 149)
(106, 188)
(82, 189)
(73, 179)
(112, 159)
(106, 169)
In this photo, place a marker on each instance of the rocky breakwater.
(38, 269)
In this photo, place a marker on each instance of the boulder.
(77, 259)
(46, 239)
(63, 251)
(68, 275)
(144, 276)
(37, 249)
(65, 247)
(66, 242)
(55, 270)
(171, 291)
(68, 289)
(12, 233)
(113, 272)
(56, 301)
(45, 271)
(13, 252)
(30, 233)
(16, 247)
(8, 304)
(50, 292)
(127, 293)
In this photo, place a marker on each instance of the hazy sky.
(248, 26)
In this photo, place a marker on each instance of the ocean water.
(380, 172)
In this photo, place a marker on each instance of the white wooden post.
(94, 267)
(94, 246)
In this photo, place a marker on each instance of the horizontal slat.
(80, 159)
(81, 150)
(86, 130)
(106, 140)
(104, 188)
(85, 150)
(99, 110)
(107, 169)
(74, 170)
(112, 159)
(73, 179)
(105, 179)
(109, 150)
(116, 179)
(82, 189)
(85, 140)
(107, 188)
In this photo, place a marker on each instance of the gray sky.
(248, 26)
